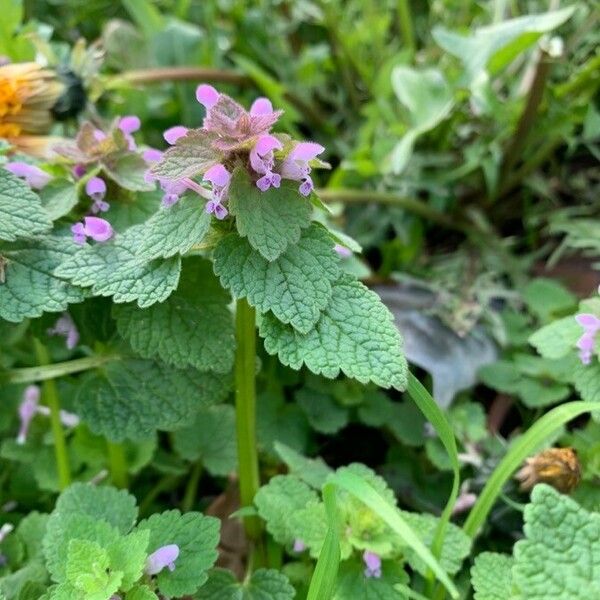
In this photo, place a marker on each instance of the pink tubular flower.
(95, 188)
(261, 106)
(164, 557)
(66, 328)
(128, 125)
(263, 161)
(299, 546)
(34, 176)
(78, 171)
(95, 227)
(174, 133)
(151, 155)
(296, 167)
(220, 177)
(27, 410)
(207, 95)
(343, 251)
(586, 343)
(372, 564)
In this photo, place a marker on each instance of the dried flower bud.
(558, 467)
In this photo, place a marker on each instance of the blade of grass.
(427, 405)
(526, 445)
(146, 16)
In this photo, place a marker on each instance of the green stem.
(406, 25)
(50, 396)
(245, 408)
(118, 464)
(52, 371)
(159, 74)
(349, 196)
(191, 489)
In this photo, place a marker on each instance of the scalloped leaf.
(264, 584)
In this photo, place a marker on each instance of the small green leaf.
(128, 555)
(353, 585)
(296, 286)
(547, 298)
(58, 198)
(322, 411)
(191, 155)
(271, 220)
(586, 379)
(193, 327)
(280, 498)
(210, 439)
(355, 334)
(197, 537)
(174, 229)
(264, 584)
(141, 592)
(131, 399)
(30, 285)
(114, 269)
(491, 577)
(558, 338)
(128, 171)
(21, 212)
(313, 471)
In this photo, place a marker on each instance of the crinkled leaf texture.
(265, 584)
(210, 439)
(296, 286)
(560, 555)
(353, 585)
(193, 327)
(355, 335)
(491, 577)
(128, 171)
(21, 212)
(30, 286)
(131, 399)
(197, 537)
(174, 229)
(271, 220)
(115, 269)
(191, 155)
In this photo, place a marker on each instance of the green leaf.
(493, 47)
(428, 99)
(58, 198)
(547, 298)
(104, 503)
(131, 399)
(62, 528)
(296, 286)
(586, 379)
(210, 439)
(355, 334)
(31, 531)
(313, 471)
(280, 498)
(264, 584)
(174, 229)
(128, 171)
(271, 220)
(322, 411)
(30, 285)
(191, 155)
(114, 269)
(353, 585)
(87, 570)
(491, 577)
(128, 555)
(557, 339)
(197, 537)
(14, 583)
(193, 327)
(559, 557)
(141, 592)
(21, 212)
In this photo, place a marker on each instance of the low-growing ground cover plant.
(223, 302)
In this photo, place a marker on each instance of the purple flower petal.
(27, 410)
(95, 188)
(343, 251)
(372, 564)
(78, 231)
(207, 95)
(65, 327)
(129, 124)
(306, 187)
(151, 155)
(218, 175)
(162, 558)
(306, 151)
(174, 133)
(299, 546)
(98, 229)
(220, 212)
(261, 106)
(78, 171)
(34, 176)
(99, 135)
(588, 321)
(267, 143)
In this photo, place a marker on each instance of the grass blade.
(526, 445)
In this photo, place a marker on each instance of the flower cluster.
(231, 136)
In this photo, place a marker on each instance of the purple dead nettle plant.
(231, 136)
(587, 342)
(372, 564)
(163, 558)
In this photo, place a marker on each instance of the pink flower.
(27, 410)
(262, 161)
(219, 177)
(151, 155)
(33, 176)
(296, 167)
(207, 95)
(162, 558)
(299, 546)
(372, 564)
(343, 251)
(586, 343)
(66, 327)
(95, 188)
(174, 133)
(128, 125)
(95, 227)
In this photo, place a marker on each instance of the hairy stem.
(191, 489)
(50, 396)
(245, 408)
(118, 464)
(156, 75)
(51, 371)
